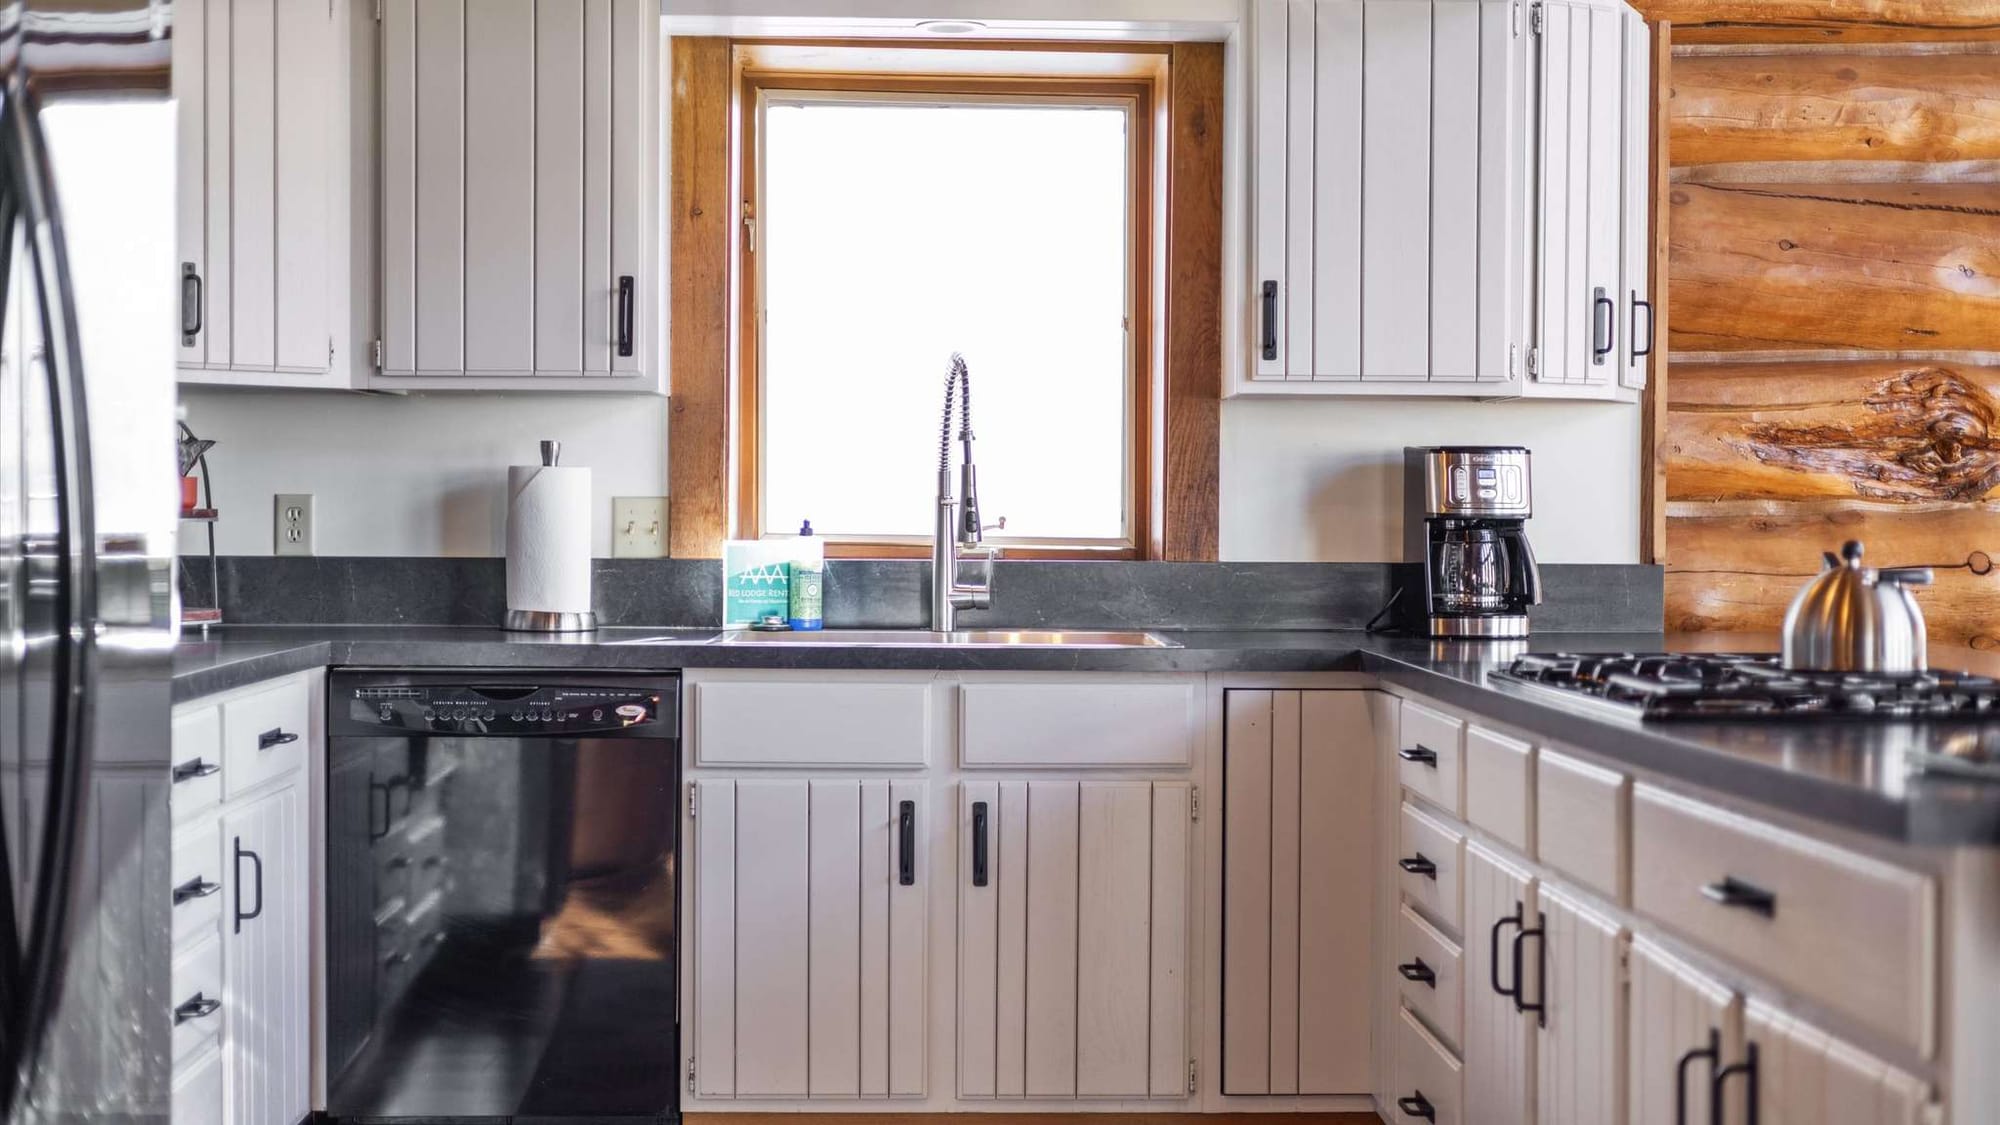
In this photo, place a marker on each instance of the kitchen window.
(885, 205)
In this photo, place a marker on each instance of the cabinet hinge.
(1534, 362)
(1535, 18)
(691, 805)
(1191, 1074)
(749, 229)
(690, 1074)
(1194, 802)
(375, 351)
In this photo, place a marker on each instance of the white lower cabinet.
(1683, 1024)
(1577, 953)
(1072, 939)
(265, 964)
(809, 938)
(1801, 1076)
(1499, 1034)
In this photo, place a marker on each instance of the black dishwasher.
(500, 915)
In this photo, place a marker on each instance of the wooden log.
(1785, 537)
(1961, 609)
(1820, 107)
(1767, 37)
(1881, 431)
(1868, 267)
(1834, 13)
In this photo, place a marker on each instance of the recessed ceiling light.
(950, 27)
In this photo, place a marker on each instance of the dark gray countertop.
(1848, 774)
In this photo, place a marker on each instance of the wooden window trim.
(1177, 394)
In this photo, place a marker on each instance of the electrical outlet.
(639, 527)
(292, 524)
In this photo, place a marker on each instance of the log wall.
(1834, 279)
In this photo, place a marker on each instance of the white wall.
(1322, 480)
(416, 474)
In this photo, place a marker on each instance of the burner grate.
(1735, 685)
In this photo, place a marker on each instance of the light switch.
(638, 527)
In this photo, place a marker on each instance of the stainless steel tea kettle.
(1855, 619)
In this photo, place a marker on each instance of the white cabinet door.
(1683, 1025)
(1805, 1077)
(1499, 1036)
(1389, 162)
(262, 241)
(1298, 826)
(808, 921)
(1574, 969)
(1073, 917)
(1636, 325)
(266, 959)
(518, 157)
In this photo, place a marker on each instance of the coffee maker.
(1465, 515)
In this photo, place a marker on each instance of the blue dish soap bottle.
(807, 578)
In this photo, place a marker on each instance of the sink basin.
(963, 638)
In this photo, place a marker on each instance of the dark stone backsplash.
(895, 593)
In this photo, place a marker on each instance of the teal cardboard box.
(756, 580)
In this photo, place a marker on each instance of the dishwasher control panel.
(498, 710)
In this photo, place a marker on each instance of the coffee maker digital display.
(1465, 515)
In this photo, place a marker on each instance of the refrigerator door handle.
(27, 196)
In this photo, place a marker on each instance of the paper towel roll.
(548, 539)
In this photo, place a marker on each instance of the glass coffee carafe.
(1481, 567)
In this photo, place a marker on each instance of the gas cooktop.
(1732, 686)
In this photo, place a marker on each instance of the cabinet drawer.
(1850, 931)
(1091, 723)
(1428, 975)
(264, 735)
(1426, 1075)
(822, 721)
(197, 758)
(1428, 860)
(1580, 821)
(1499, 785)
(198, 882)
(197, 998)
(198, 1094)
(1428, 755)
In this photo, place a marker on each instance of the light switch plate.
(638, 527)
(292, 523)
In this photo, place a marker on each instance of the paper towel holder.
(545, 620)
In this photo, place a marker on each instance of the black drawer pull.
(196, 887)
(1713, 1053)
(195, 767)
(195, 1008)
(276, 736)
(1638, 352)
(1416, 1105)
(258, 862)
(625, 315)
(1418, 865)
(1603, 326)
(979, 845)
(1423, 754)
(1417, 971)
(191, 303)
(1541, 1006)
(1493, 953)
(1270, 318)
(906, 839)
(1736, 893)
(1748, 1069)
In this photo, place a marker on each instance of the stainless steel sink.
(962, 638)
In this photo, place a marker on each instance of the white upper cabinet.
(262, 196)
(519, 190)
(1440, 192)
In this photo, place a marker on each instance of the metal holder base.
(548, 621)
(1480, 628)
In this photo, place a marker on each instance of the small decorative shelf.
(203, 616)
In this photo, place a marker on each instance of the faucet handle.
(1000, 526)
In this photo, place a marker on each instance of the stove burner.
(1735, 685)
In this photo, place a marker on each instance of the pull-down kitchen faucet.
(958, 532)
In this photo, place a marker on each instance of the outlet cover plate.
(292, 523)
(638, 527)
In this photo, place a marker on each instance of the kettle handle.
(1906, 576)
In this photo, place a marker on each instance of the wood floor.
(1030, 1118)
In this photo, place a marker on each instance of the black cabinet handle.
(1748, 1069)
(1423, 754)
(906, 840)
(194, 888)
(625, 315)
(979, 876)
(195, 1007)
(258, 862)
(191, 303)
(1416, 1105)
(195, 767)
(1270, 342)
(1541, 1006)
(1713, 1053)
(1418, 865)
(276, 736)
(1493, 953)
(1734, 892)
(1603, 326)
(1637, 304)
(1416, 970)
